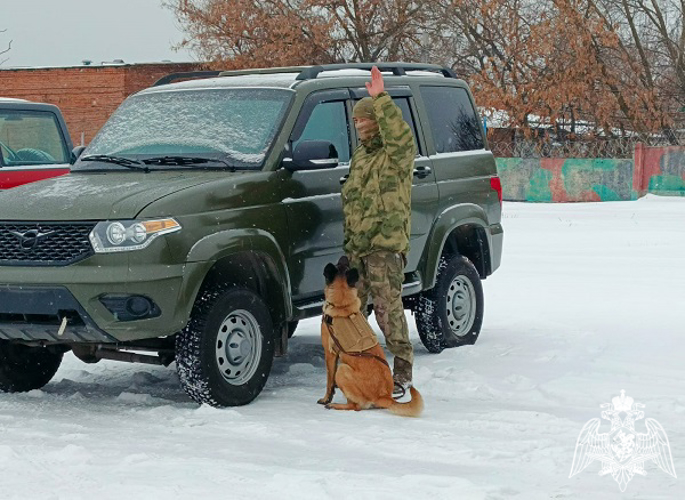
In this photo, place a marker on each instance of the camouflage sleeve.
(396, 133)
(346, 234)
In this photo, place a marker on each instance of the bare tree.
(521, 57)
(608, 65)
(5, 51)
(648, 59)
(252, 33)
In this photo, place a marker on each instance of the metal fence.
(621, 147)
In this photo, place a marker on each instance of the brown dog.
(355, 362)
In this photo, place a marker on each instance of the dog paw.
(328, 406)
(324, 401)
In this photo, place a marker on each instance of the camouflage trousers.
(380, 280)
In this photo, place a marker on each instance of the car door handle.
(422, 172)
(343, 179)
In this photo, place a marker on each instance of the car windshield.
(234, 127)
(30, 138)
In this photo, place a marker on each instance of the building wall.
(87, 95)
(657, 170)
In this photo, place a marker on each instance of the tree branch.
(5, 51)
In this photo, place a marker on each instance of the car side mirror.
(313, 155)
(75, 153)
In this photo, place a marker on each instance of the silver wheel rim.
(461, 306)
(238, 347)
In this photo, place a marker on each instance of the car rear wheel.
(24, 368)
(451, 313)
(224, 354)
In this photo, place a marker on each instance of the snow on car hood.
(97, 196)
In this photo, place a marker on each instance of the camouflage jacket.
(377, 194)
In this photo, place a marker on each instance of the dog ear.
(330, 272)
(352, 277)
(343, 262)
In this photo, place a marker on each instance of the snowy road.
(588, 301)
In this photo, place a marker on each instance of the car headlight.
(126, 235)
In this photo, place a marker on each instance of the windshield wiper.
(184, 160)
(119, 160)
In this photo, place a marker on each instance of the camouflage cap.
(364, 109)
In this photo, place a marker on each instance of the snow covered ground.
(588, 301)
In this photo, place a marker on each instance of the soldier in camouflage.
(377, 208)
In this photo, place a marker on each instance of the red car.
(34, 142)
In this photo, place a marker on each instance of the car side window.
(328, 122)
(452, 119)
(31, 138)
(403, 104)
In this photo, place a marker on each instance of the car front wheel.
(24, 368)
(224, 354)
(451, 313)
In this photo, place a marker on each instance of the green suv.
(196, 225)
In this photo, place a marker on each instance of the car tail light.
(496, 184)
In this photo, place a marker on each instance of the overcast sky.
(65, 32)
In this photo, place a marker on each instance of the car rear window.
(452, 119)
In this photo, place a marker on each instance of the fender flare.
(449, 220)
(214, 247)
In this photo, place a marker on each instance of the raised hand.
(376, 86)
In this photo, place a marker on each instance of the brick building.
(87, 95)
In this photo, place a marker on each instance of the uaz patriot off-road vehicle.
(196, 225)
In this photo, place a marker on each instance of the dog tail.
(413, 408)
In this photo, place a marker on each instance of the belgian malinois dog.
(355, 362)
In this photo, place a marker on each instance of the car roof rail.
(185, 76)
(398, 69)
(264, 71)
(312, 72)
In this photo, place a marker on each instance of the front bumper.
(34, 300)
(29, 313)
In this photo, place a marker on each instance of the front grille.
(44, 243)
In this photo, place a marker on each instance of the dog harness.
(351, 335)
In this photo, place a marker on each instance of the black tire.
(451, 313)
(224, 354)
(24, 368)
